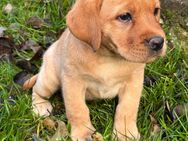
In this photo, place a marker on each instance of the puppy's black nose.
(156, 43)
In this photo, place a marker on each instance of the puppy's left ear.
(84, 23)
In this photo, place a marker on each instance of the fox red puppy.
(102, 54)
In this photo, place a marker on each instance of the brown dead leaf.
(49, 123)
(6, 44)
(58, 126)
(31, 44)
(38, 55)
(61, 131)
(35, 22)
(155, 129)
(26, 65)
(180, 110)
(97, 137)
(21, 77)
(6, 48)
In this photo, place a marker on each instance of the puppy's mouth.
(139, 53)
(140, 56)
(136, 55)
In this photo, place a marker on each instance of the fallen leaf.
(31, 44)
(21, 77)
(49, 123)
(97, 137)
(155, 129)
(61, 131)
(35, 22)
(6, 48)
(27, 66)
(180, 110)
(38, 55)
(6, 43)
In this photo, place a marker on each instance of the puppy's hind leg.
(46, 84)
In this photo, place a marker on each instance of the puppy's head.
(128, 27)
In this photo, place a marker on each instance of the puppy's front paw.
(82, 134)
(131, 133)
(129, 137)
(42, 109)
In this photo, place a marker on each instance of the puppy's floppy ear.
(84, 23)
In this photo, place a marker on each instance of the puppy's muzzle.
(155, 43)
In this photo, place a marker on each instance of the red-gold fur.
(100, 57)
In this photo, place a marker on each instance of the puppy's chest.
(102, 90)
(109, 78)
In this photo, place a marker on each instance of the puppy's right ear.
(84, 23)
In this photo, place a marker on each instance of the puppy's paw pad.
(43, 109)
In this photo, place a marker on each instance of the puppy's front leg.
(126, 112)
(74, 90)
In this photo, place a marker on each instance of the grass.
(17, 122)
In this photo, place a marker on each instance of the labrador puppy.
(102, 54)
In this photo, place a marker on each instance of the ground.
(165, 88)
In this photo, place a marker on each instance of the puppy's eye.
(126, 17)
(156, 11)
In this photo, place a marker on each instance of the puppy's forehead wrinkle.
(119, 6)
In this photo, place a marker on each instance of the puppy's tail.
(28, 84)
